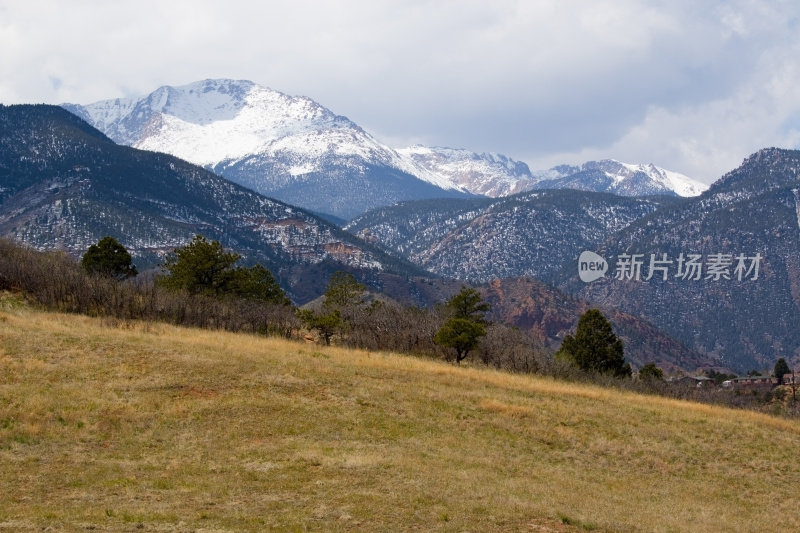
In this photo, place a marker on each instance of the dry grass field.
(142, 427)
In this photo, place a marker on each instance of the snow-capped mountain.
(64, 185)
(487, 174)
(624, 179)
(293, 149)
(496, 175)
(287, 147)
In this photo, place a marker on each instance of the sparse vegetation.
(130, 425)
(342, 297)
(56, 281)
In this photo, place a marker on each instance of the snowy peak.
(294, 149)
(486, 174)
(496, 175)
(287, 147)
(210, 121)
(625, 179)
(680, 184)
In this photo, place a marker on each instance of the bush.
(56, 281)
(650, 372)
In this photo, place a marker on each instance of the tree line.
(202, 285)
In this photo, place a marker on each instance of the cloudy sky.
(691, 86)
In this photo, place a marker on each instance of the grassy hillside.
(131, 426)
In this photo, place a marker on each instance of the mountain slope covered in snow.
(624, 179)
(286, 147)
(293, 149)
(64, 185)
(486, 174)
(496, 175)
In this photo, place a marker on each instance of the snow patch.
(487, 174)
(682, 185)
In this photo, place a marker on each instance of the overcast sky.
(692, 86)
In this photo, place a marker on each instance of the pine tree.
(595, 347)
(342, 296)
(108, 258)
(781, 369)
(204, 267)
(464, 329)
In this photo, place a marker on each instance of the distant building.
(751, 382)
(693, 381)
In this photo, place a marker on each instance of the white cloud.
(691, 86)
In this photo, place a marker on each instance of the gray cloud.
(691, 86)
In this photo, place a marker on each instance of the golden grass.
(151, 427)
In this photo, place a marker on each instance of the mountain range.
(744, 310)
(527, 234)
(484, 218)
(286, 147)
(624, 179)
(295, 150)
(750, 215)
(495, 175)
(63, 184)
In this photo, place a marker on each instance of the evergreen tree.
(781, 369)
(343, 291)
(342, 296)
(204, 267)
(108, 258)
(327, 324)
(595, 347)
(650, 372)
(200, 267)
(257, 283)
(460, 334)
(464, 329)
(469, 305)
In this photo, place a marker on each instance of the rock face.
(286, 147)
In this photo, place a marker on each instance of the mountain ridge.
(296, 150)
(282, 146)
(67, 185)
(752, 213)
